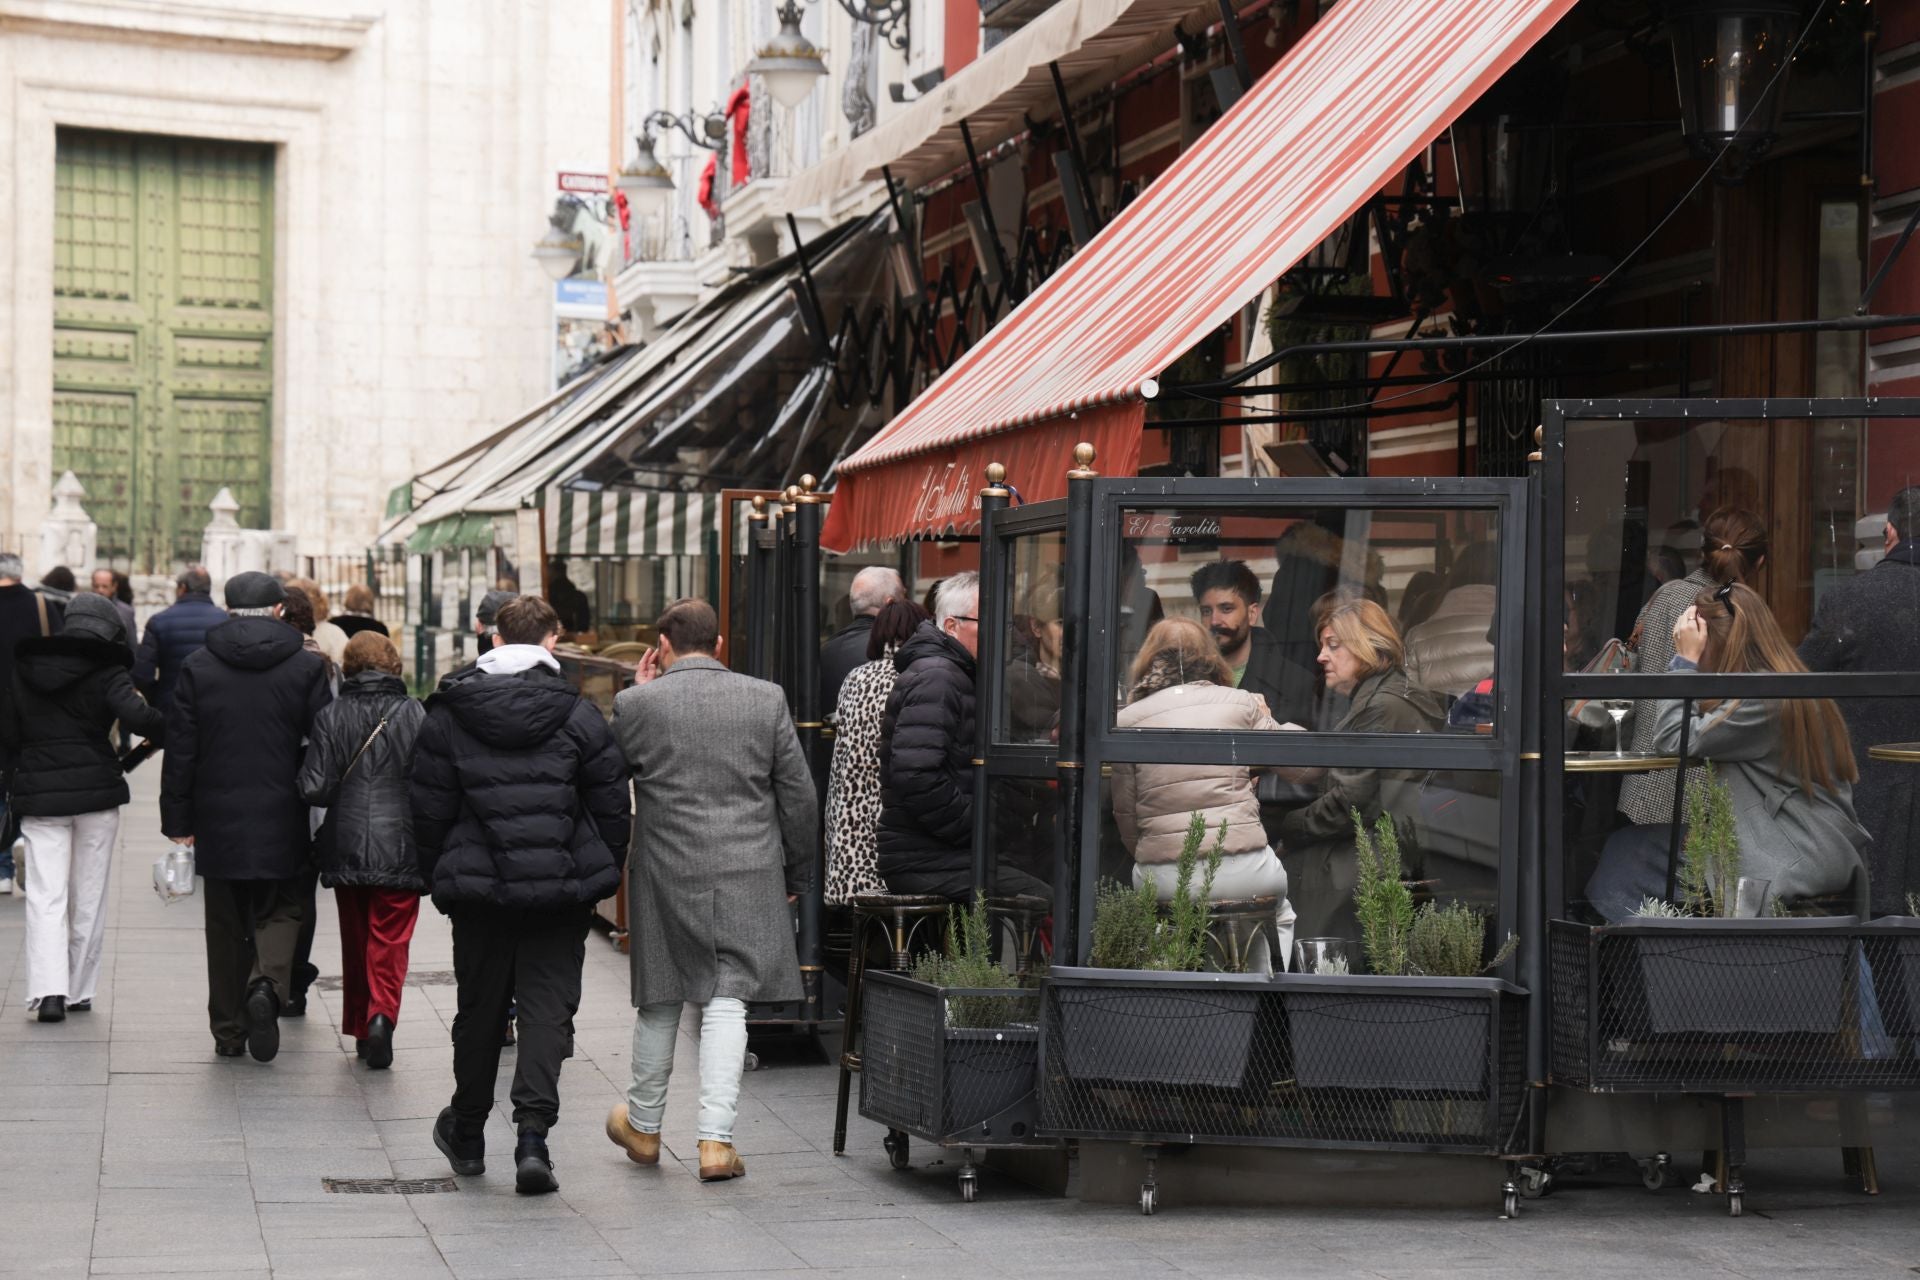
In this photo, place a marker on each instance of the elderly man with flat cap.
(242, 707)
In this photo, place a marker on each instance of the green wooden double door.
(163, 336)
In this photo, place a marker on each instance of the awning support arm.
(810, 297)
(1833, 324)
(1886, 265)
(986, 206)
(1230, 24)
(1082, 217)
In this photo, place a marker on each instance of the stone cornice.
(281, 35)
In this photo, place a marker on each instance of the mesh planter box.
(1428, 1064)
(1720, 1006)
(1893, 953)
(924, 1076)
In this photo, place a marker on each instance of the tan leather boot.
(719, 1161)
(641, 1148)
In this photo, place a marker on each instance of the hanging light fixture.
(790, 64)
(645, 182)
(1726, 56)
(558, 251)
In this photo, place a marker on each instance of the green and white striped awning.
(630, 522)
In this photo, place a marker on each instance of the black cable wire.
(1597, 285)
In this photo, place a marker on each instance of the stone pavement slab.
(127, 1149)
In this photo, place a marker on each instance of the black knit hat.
(491, 604)
(252, 590)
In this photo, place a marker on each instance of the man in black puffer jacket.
(175, 633)
(521, 812)
(925, 837)
(68, 788)
(236, 733)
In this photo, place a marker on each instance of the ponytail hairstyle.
(1747, 638)
(1735, 542)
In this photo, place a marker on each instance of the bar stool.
(1236, 923)
(898, 919)
(1020, 917)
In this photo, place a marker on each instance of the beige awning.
(1094, 41)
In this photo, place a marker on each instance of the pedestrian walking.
(520, 816)
(176, 633)
(24, 613)
(297, 612)
(726, 815)
(356, 612)
(331, 639)
(106, 584)
(242, 709)
(872, 589)
(357, 769)
(68, 787)
(853, 783)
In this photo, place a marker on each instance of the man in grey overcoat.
(725, 826)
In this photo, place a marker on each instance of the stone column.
(223, 544)
(68, 536)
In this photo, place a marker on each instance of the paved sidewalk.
(127, 1148)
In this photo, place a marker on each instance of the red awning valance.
(937, 493)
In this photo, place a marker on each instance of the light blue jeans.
(723, 1056)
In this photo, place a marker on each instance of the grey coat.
(1871, 622)
(1806, 841)
(725, 826)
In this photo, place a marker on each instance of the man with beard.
(1229, 599)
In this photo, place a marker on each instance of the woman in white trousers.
(68, 691)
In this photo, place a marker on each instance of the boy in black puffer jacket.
(68, 788)
(521, 811)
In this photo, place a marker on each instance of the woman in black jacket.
(357, 766)
(68, 787)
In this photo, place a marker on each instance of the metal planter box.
(922, 1075)
(1719, 1006)
(1893, 953)
(1431, 1064)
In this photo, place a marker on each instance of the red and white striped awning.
(1349, 106)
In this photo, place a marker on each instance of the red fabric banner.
(937, 492)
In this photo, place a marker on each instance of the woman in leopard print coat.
(853, 787)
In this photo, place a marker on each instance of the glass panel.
(1446, 824)
(1814, 840)
(1025, 826)
(1030, 706)
(1360, 620)
(1789, 506)
(621, 596)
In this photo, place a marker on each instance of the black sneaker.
(304, 976)
(230, 1050)
(466, 1153)
(263, 1022)
(53, 1009)
(380, 1042)
(532, 1169)
(80, 1006)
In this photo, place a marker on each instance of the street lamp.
(789, 63)
(646, 182)
(1726, 55)
(559, 250)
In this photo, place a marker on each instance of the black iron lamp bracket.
(889, 17)
(708, 130)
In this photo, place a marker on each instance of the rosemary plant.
(969, 964)
(1381, 899)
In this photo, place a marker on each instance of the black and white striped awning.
(631, 522)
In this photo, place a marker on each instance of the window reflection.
(1030, 707)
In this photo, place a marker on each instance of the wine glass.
(1618, 710)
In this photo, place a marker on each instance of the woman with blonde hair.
(331, 639)
(1362, 657)
(1179, 681)
(356, 612)
(1786, 762)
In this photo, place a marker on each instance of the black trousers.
(253, 928)
(499, 956)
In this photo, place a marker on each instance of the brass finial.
(1082, 462)
(759, 511)
(789, 498)
(1539, 441)
(807, 494)
(996, 482)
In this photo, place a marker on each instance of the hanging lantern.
(1727, 55)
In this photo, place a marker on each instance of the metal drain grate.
(416, 978)
(388, 1186)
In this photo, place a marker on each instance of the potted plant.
(1143, 1013)
(1427, 1019)
(950, 1051)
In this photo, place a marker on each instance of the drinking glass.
(1750, 897)
(1323, 956)
(1618, 710)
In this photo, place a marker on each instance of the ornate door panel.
(163, 271)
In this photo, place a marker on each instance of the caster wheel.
(753, 1062)
(1535, 1183)
(1735, 1203)
(969, 1187)
(1510, 1204)
(1149, 1200)
(898, 1151)
(1653, 1174)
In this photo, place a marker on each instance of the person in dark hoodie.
(242, 709)
(24, 612)
(357, 768)
(521, 812)
(68, 689)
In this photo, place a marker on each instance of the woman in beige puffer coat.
(1179, 681)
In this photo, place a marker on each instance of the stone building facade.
(292, 245)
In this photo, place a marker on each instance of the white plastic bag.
(173, 874)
